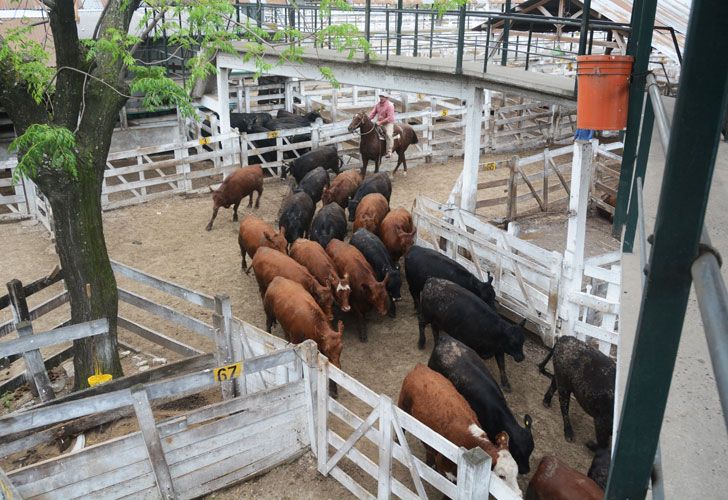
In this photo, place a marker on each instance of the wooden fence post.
(315, 134)
(512, 189)
(144, 414)
(246, 93)
(473, 474)
(35, 371)
(334, 105)
(224, 341)
(322, 413)
(309, 353)
(288, 95)
(7, 488)
(545, 180)
(384, 481)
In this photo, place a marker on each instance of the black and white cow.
(464, 368)
(461, 314)
(422, 263)
(590, 375)
(378, 257)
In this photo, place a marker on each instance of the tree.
(65, 116)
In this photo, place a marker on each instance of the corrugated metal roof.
(671, 13)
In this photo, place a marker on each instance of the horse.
(371, 147)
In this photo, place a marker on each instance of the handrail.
(663, 122)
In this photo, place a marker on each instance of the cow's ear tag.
(527, 421)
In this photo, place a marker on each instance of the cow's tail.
(542, 364)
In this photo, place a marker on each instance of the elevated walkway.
(434, 76)
(694, 442)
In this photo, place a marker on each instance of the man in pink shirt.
(385, 111)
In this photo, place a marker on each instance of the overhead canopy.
(670, 13)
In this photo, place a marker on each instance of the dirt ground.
(167, 238)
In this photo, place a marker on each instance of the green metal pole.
(506, 34)
(639, 46)
(689, 165)
(461, 41)
(398, 49)
(585, 13)
(643, 154)
(367, 24)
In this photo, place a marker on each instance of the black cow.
(464, 316)
(422, 263)
(270, 156)
(276, 124)
(245, 121)
(464, 368)
(375, 183)
(326, 157)
(590, 375)
(377, 255)
(313, 183)
(304, 120)
(329, 223)
(599, 470)
(295, 215)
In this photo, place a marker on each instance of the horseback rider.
(384, 109)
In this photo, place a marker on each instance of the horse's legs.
(399, 162)
(376, 164)
(364, 163)
(404, 162)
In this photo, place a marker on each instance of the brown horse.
(371, 147)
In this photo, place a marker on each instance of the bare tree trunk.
(87, 271)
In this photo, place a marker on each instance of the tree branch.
(16, 99)
(145, 34)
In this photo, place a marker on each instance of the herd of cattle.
(305, 267)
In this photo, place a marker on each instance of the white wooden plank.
(167, 286)
(352, 439)
(370, 467)
(158, 338)
(596, 333)
(167, 313)
(148, 427)
(593, 302)
(57, 336)
(322, 412)
(384, 481)
(352, 385)
(355, 488)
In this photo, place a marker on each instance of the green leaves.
(28, 59)
(45, 146)
(160, 91)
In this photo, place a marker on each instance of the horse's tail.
(412, 132)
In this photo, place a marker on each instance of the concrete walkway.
(694, 440)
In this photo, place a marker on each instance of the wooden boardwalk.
(422, 74)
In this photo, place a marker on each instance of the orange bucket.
(603, 91)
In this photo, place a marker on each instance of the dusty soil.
(167, 238)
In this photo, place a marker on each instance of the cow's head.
(377, 295)
(515, 337)
(333, 344)
(487, 292)
(521, 445)
(406, 238)
(394, 284)
(352, 209)
(506, 467)
(324, 298)
(326, 195)
(277, 240)
(341, 289)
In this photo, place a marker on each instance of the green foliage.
(328, 75)
(160, 91)
(7, 400)
(45, 146)
(326, 6)
(28, 59)
(345, 38)
(115, 44)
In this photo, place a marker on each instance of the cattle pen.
(273, 395)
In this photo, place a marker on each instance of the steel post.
(367, 24)
(586, 12)
(417, 22)
(506, 34)
(689, 165)
(639, 46)
(400, 4)
(642, 157)
(461, 41)
(528, 46)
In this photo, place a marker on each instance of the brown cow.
(370, 212)
(313, 257)
(268, 263)
(366, 291)
(554, 480)
(342, 188)
(397, 233)
(255, 233)
(433, 400)
(234, 188)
